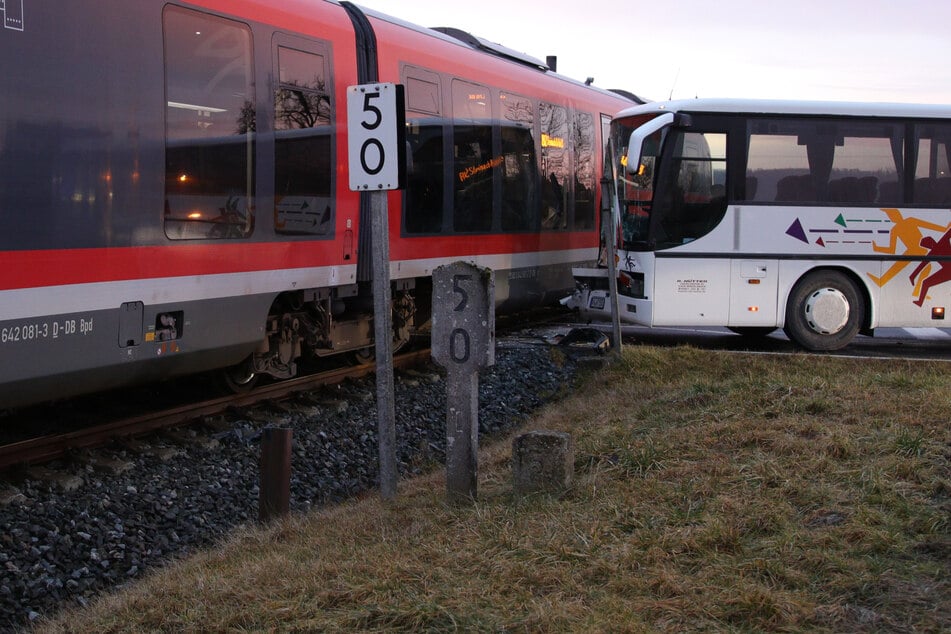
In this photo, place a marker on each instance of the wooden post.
(275, 486)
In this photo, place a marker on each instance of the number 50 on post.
(376, 130)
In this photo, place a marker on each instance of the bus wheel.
(240, 378)
(825, 311)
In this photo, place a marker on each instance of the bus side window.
(697, 200)
(933, 170)
(825, 161)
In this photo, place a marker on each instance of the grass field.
(712, 492)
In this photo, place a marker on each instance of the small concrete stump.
(543, 462)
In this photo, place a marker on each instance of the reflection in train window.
(424, 139)
(555, 166)
(584, 159)
(473, 161)
(210, 125)
(303, 169)
(519, 168)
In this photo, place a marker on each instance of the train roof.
(460, 37)
(776, 106)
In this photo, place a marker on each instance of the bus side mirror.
(633, 164)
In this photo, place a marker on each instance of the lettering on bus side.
(692, 286)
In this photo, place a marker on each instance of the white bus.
(824, 219)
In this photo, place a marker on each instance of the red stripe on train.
(29, 269)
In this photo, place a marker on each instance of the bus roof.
(763, 106)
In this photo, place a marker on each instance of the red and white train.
(174, 193)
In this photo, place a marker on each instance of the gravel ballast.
(176, 494)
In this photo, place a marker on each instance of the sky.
(838, 50)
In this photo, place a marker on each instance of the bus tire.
(825, 311)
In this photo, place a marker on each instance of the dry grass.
(713, 492)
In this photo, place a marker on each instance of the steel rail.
(46, 448)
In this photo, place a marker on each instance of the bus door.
(691, 279)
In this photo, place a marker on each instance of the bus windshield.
(689, 198)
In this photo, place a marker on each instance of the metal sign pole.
(376, 129)
(610, 241)
(383, 340)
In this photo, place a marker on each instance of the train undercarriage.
(317, 323)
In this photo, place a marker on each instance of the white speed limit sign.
(376, 130)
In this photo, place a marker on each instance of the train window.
(584, 184)
(555, 166)
(422, 96)
(303, 169)
(519, 166)
(210, 124)
(473, 161)
(425, 176)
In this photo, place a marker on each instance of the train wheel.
(363, 355)
(368, 354)
(241, 377)
(825, 311)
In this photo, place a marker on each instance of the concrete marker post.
(463, 342)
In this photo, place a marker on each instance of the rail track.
(26, 447)
(49, 447)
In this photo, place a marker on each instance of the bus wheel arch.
(826, 309)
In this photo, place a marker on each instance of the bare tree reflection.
(299, 106)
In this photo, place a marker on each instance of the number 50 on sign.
(376, 130)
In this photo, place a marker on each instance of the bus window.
(635, 185)
(818, 161)
(866, 157)
(932, 174)
(694, 200)
(776, 164)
